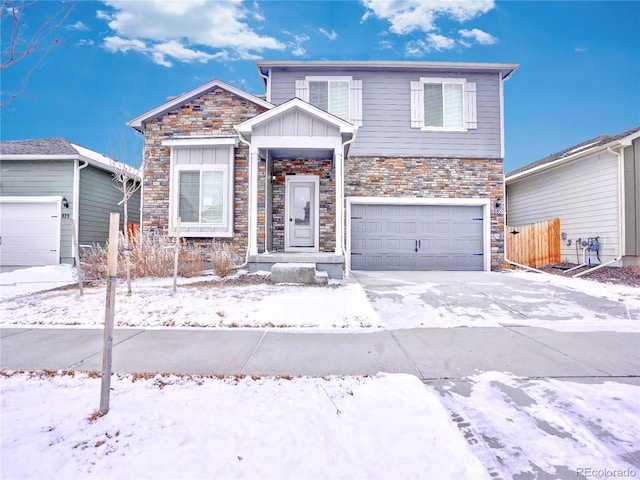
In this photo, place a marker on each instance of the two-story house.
(347, 164)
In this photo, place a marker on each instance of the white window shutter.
(356, 103)
(302, 90)
(417, 105)
(470, 115)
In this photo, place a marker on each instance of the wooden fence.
(535, 245)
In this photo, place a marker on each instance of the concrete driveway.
(522, 327)
(548, 339)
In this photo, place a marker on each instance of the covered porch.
(296, 199)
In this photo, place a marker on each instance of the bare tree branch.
(19, 43)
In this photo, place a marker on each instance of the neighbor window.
(443, 104)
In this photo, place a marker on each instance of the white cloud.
(332, 35)
(78, 26)
(85, 42)
(185, 31)
(407, 16)
(439, 43)
(480, 37)
(297, 50)
(580, 49)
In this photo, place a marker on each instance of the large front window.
(202, 186)
(201, 196)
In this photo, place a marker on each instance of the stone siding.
(213, 113)
(327, 192)
(431, 178)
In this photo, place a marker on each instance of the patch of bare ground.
(629, 276)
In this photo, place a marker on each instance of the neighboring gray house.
(349, 165)
(594, 188)
(45, 183)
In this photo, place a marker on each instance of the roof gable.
(293, 105)
(180, 100)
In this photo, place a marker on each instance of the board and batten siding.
(44, 178)
(386, 110)
(98, 198)
(583, 194)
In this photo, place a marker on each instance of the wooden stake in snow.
(76, 256)
(176, 255)
(112, 273)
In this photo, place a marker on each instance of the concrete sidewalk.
(428, 353)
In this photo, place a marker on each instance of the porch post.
(253, 200)
(339, 202)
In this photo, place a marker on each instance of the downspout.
(267, 84)
(620, 213)
(342, 200)
(248, 144)
(76, 198)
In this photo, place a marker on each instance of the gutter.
(76, 200)
(250, 203)
(347, 260)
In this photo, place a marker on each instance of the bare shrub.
(224, 258)
(151, 256)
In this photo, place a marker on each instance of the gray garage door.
(416, 237)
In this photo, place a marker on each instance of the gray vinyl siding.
(45, 178)
(583, 194)
(386, 109)
(632, 198)
(98, 198)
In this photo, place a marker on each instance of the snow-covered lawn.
(195, 304)
(388, 426)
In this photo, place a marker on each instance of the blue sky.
(579, 74)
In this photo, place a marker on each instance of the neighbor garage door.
(416, 237)
(29, 232)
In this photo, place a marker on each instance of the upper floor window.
(340, 96)
(443, 104)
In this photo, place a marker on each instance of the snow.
(387, 426)
(550, 425)
(195, 304)
(27, 299)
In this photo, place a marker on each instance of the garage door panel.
(449, 237)
(30, 232)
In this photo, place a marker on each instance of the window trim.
(355, 94)
(225, 192)
(197, 229)
(469, 113)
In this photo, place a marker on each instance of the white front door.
(301, 212)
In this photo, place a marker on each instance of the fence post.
(176, 256)
(112, 273)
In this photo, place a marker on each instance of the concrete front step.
(305, 273)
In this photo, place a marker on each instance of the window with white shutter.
(443, 104)
(340, 96)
